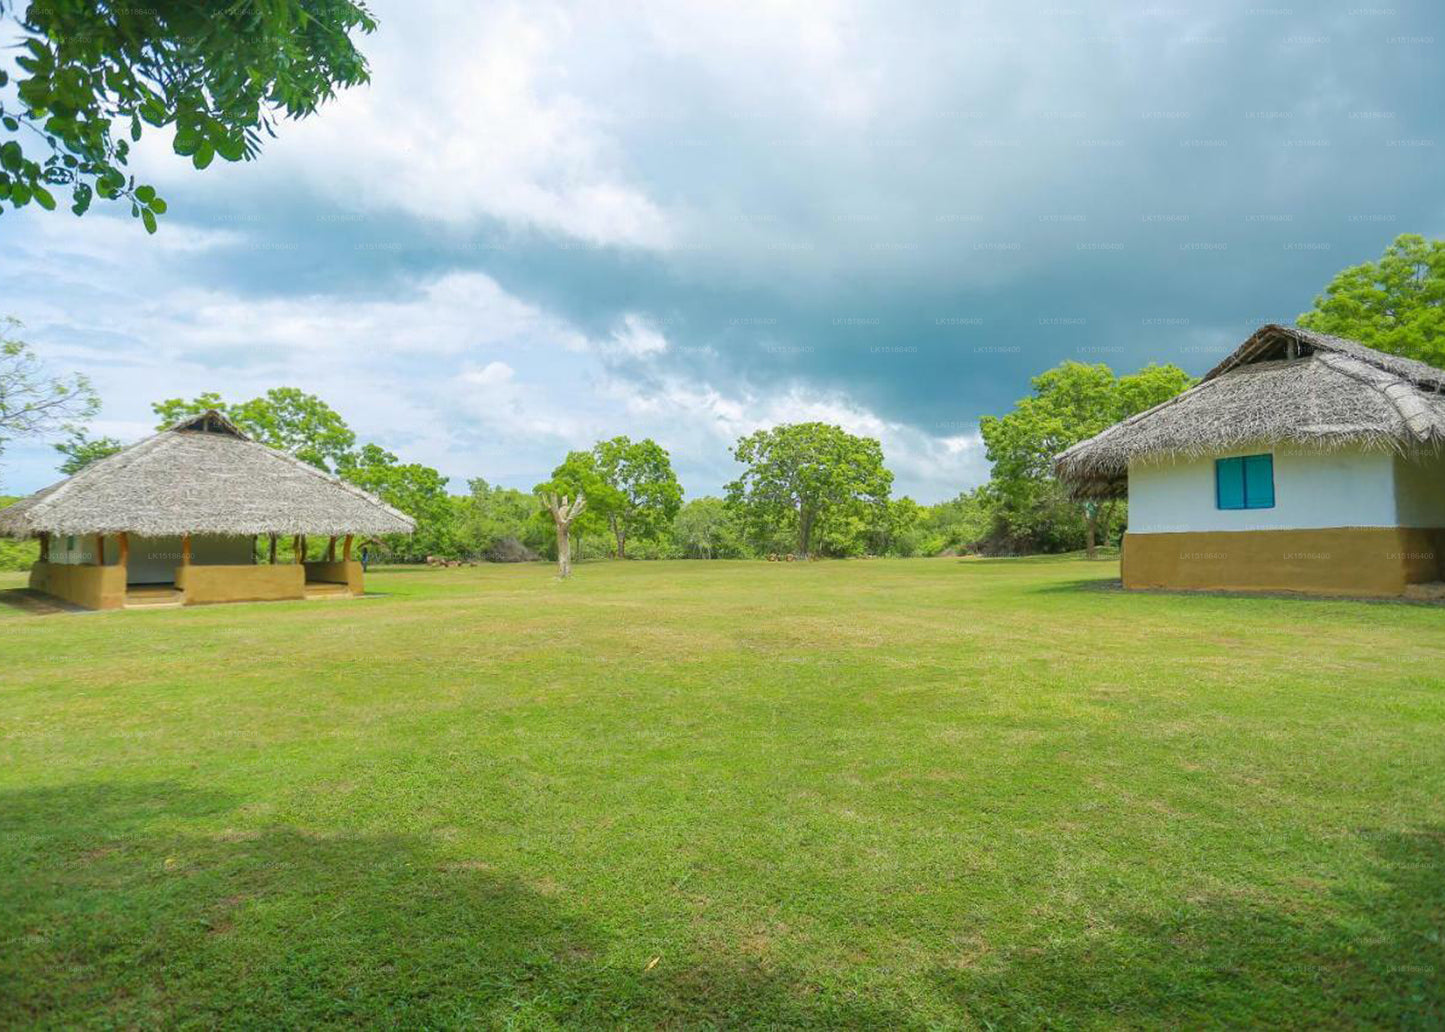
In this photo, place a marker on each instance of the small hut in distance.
(174, 520)
(1302, 462)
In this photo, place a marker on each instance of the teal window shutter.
(1229, 483)
(1259, 482)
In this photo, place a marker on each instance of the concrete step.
(154, 603)
(154, 598)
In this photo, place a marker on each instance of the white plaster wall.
(1311, 490)
(1420, 490)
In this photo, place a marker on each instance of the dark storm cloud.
(915, 209)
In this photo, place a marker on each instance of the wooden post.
(298, 543)
(123, 540)
(100, 550)
(331, 549)
(45, 547)
(346, 550)
(185, 550)
(273, 549)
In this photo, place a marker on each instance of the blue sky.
(545, 224)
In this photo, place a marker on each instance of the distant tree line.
(805, 488)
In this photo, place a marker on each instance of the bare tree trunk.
(564, 551)
(1090, 531)
(564, 511)
(805, 532)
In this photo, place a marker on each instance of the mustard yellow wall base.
(206, 585)
(94, 587)
(336, 573)
(1374, 561)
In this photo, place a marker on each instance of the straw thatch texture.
(202, 476)
(1284, 385)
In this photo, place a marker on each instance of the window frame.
(1240, 463)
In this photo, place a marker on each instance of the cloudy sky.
(543, 224)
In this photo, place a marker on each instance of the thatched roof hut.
(1302, 462)
(174, 520)
(202, 476)
(1284, 385)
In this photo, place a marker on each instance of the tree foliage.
(33, 402)
(285, 418)
(645, 494)
(808, 478)
(706, 528)
(498, 523)
(94, 75)
(1070, 403)
(415, 489)
(80, 451)
(1396, 304)
(579, 475)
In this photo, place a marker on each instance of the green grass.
(893, 793)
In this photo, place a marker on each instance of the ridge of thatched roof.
(202, 476)
(1284, 385)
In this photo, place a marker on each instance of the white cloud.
(492, 374)
(637, 337)
(453, 371)
(468, 116)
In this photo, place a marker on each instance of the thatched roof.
(1284, 385)
(202, 476)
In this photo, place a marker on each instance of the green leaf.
(232, 148)
(158, 206)
(134, 127)
(145, 194)
(11, 123)
(204, 154)
(188, 138)
(147, 217)
(43, 198)
(153, 111)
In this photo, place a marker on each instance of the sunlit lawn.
(894, 793)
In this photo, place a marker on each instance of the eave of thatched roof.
(202, 476)
(1283, 386)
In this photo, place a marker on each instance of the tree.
(899, 532)
(704, 529)
(805, 476)
(564, 510)
(222, 74)
(32, 402)
(1071, 402)
(961, 523)
(647, 494)
(299, 423)
(579, 475)
(80, 451)
(415, 489)
(285, 418)
(173, 410)
(498, 522)
(1396, 304)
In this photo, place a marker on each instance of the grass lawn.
(893, 793)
